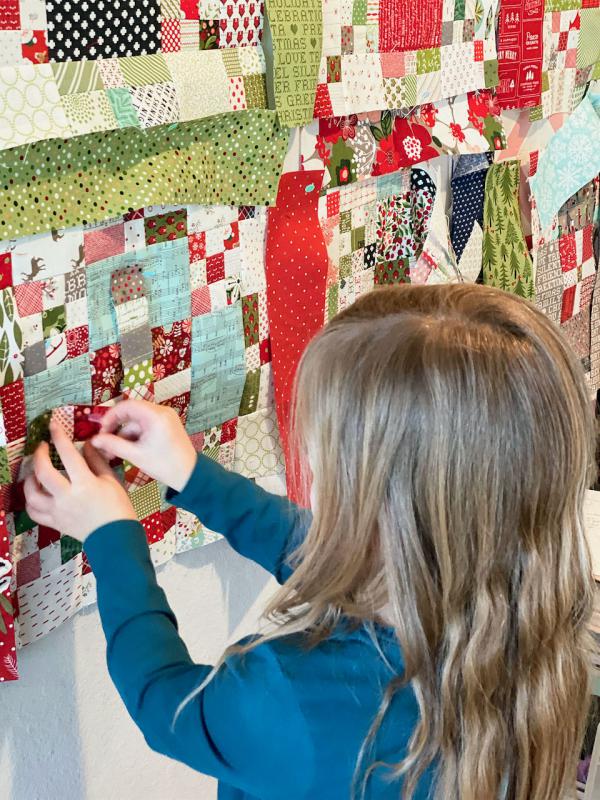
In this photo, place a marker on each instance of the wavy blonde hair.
(450, 437)
(450, 440)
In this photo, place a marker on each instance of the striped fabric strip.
(142, 70)
(77, 77)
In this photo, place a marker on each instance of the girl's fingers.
(36, 498)
(95, 461)
(128, 411)
(116, 446)
(48, 477)
(72, 460)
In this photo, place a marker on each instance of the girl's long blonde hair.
(450, 439)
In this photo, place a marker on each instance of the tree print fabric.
(506, 261)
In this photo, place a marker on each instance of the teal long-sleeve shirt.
(282, 722)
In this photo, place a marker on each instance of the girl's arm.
(228, 729)
(259, 525)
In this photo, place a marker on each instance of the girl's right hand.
(151, 437)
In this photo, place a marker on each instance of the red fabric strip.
(296, 271)
(409, 25)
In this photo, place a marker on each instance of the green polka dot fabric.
(232, 159)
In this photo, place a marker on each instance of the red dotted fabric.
(296, 270)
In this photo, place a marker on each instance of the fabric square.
(156, 104)
(170, 35)
(6, 279)
(103, 242)
(106, 373)
(136, 346)
(77, 341)
(146, 499)
(144, 70)
(166, 227)
(190, 70)
(232, 62)
(255, 91)
(334, 69)
(12, 398)
(75, 285)
(136, 376)
(10, 17)
(215, 268)
(406, 25)
(34, 358)
(127, 284)
(89, 113)
(237, 93)
(111, 30)
(197, 246)
(190, 35)
(201, 301)
(250, 319)
(34, 47)
(122, 107)
(28, 297)
(258, 450)
(28, 568)
(209, 34)
(74, 77)
(171, 348)
(109, 69)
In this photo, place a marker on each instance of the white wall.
(64, 734)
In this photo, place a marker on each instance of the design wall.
(190, 189)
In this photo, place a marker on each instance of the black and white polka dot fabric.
(80, 30)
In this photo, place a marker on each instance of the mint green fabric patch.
(429, 60)
(123, 108)
(230, 159)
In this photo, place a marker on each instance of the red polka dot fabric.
(296, 270)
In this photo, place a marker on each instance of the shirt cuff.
(207, 472)
(109, 547)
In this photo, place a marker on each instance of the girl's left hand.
(91, 495)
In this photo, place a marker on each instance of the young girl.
(429, 634)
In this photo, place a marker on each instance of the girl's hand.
(150, 436)
(91, 495)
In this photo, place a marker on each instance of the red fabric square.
(562, 40)
(533, 163)
(85, 565)
(103, 243)
(392, 65)
(171, 348)
(200, 301)
(107, 373)
(568, 252)
(197, 246)
(169, 517)
(10, 18)
(197, 439)
(35, 49)
(215, 268)
(170, 41)
(232, 236)
(131, 215)
(86, 421)
(478, 50)
(571, 59)
(28, 297)
(229, 431)
(406, 25)
(153, 525)
(5, 270)
(28, 568)
(47, 536)
(265, 351)
(189, 8)
(323, 107)
(180, 402)
(12, 397)
(78, 341)
(568, 303)
(588, 244)
(333, 204)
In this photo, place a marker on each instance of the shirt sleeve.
(259, 525)
(219, 731)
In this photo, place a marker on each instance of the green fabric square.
(145, 499)
(545, 82)
(123, 108)
(54, 321)
(143, 70)
(345, 266)
(429, 60)
(231, 61)
(536, 114)
(332, 301)
(138, 375)
(255, 87)
(490, 73)
(76, 77)
(588, 48)
(345, 222)
(23, 522)
(359, 12)
(249, 401)
(250, 319)
(5, 476)
(212, 451)
(358, 238)
(334, 69)
(69, 548)
(459, 9)
(595, 72)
